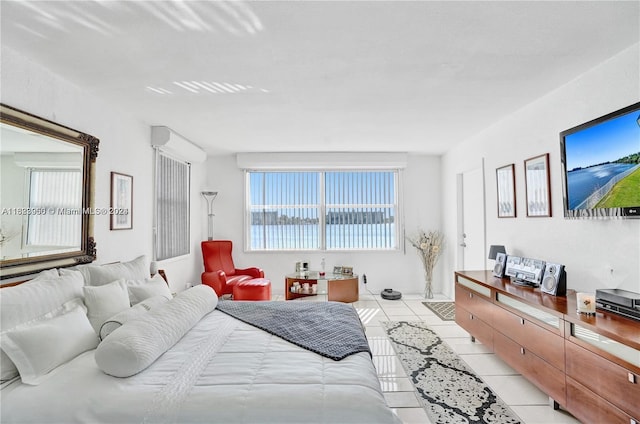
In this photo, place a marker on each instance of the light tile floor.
(527, 401)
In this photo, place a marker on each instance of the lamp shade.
(495, 249)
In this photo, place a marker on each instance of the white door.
(471, 220)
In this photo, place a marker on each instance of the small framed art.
(337, 270)
(506, 183)
(538, 186)
(347, 270)
(121, 211)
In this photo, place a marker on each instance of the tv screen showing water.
(602, 164)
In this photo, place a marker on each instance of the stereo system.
(550, 277)
(524, 271)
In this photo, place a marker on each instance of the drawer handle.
(522, 350)
(632, 378)
(522, 321)
(471, 316)
(470, 295)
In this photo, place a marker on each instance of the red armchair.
(219, 270)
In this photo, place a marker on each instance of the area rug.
(445, 310)
(449, 390)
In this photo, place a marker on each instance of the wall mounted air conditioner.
(172, 143)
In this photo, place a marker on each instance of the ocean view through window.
(322, 210)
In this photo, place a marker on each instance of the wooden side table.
(340, 288)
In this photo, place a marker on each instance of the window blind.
(57, 195)
(322, 210)
(172, 207)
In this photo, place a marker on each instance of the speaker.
(554, 280)
(501, 265)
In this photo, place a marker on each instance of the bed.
(221, 370)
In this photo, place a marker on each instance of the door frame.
(460, 230)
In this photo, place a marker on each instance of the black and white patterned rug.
(445, 310)
(450, 391)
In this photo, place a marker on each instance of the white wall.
(12, 190)
(124, 147)
(399, 270)
(590, 249)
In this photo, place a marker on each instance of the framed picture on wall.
(121, 211)
(506, 183)
(538, 186)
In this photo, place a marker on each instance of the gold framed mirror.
(46, 194)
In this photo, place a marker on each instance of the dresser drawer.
(590, 408)
(608, 380)
(546, 377)
(474, 326)
(475, 303)
(547, 345)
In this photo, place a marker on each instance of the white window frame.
(322, 209)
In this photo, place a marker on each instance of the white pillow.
(105, 301)
(133, 312)
(39, 348)
(98, 275)
(138, 343)
(28, 301)
(140, 290)
(45, 275)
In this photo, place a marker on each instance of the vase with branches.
(429, 245)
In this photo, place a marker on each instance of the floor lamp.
(210, 197)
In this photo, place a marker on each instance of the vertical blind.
(172, 207)
(57, 196)
(338, 210)
(360, 210)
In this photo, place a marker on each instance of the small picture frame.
(537, 183)
(121, 211)
(337, 270)
(506, 183)
(347, 270)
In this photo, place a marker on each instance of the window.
(330, 210)
(59, 193)
(172, 207)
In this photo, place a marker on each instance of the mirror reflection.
(41, 187)
(47, 176)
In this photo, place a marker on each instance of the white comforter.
(240, 375)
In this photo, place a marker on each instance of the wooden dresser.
(589, 365)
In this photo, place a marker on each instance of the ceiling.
(300, 76)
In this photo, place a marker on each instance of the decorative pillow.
(26, 302)
(138, 343)
(140, 290)
(133, 312)
(105, 301)
(39, 348)
(98, 275)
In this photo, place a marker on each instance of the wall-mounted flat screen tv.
(601, 166)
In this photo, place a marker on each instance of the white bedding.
(222, 371)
